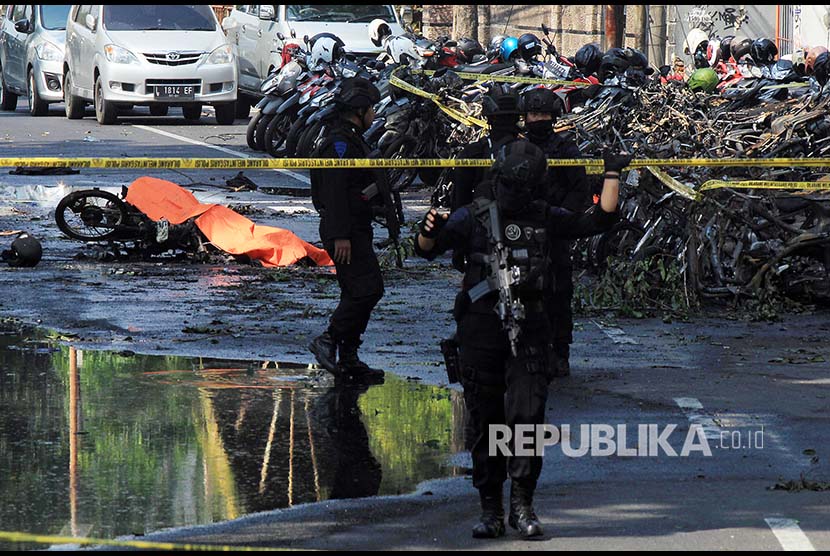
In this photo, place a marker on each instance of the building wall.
(812, 29)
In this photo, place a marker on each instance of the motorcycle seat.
(483, 68)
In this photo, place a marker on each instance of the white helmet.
(378, 30)
(401, 48)
(325, 51)
(694, 40)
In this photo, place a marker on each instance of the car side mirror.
(267, 13)
(23, 26)
(90, 22)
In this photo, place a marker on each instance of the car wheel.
(73, 105)
(37, 106)
(225, 113)
(159, 109)
(105, 111)
(243, 107)
(192, 112)
(8, 100)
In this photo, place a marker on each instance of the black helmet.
(763, 51)
(357, 92)
(725, 45)
(467, 49)
(614, 62)
(821, 68)
(518, 172)
(529, 46)
(541, 99)
(588, 58)
(637, 60)
(499, 100)
(739, 47)
(700, 58)
(25, 251)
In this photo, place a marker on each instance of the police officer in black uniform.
(346, 230)
(500, 105)
(568, 188)
(502, 386)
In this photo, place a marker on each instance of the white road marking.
(694, 412)
(789, 534)
(617, 335)
(295, 175)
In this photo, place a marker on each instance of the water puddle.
(101, 444)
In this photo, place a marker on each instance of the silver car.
(31, 56)
(157, 55)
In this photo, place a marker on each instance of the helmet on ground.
(378, 30)
(25, 251)
(821, 68)
(325, 51)
(588, 58)
(509, 48)
(763, 51)
(739, 47)
(529, 46)
(638, 68)
(713, 53)
(500, 100)
(467, 49)
(810, 60)
(540, 99)
(703, 79)
(613, 63)
(725, 51)
(357, 92)
(694, 40)
(518, 171)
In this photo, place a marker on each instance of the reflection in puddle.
(96, 444)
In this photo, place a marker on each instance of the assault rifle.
(389, 207)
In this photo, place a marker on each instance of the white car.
(254, 32)
(155, 55)
(31, 55)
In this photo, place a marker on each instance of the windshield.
(54, 17)
(159, 17)
(347, 14)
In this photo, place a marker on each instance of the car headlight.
(119, 55)
(221, 55)
(48, 52)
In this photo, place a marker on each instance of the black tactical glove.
(437, 225)
(615, 162)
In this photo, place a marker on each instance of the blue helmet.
(509, 47)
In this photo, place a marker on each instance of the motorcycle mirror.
(450, 43)
(545, 29)
(280, 36)
(293, 34)
(305, 39)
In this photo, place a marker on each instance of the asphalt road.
(727, 375)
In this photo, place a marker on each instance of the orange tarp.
(226, 229)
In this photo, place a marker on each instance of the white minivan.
(157, 55)
(254, 32)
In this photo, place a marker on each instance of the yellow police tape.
(762, 184)
(451, 112)
(317, 163)
(12, 536)
(509, 78)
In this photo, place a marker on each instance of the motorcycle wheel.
(250, 135)
(402, 147)
(619, 241)
(293, 139)
(261, 128)
(275, 134)
(91, 215)
(307, 139)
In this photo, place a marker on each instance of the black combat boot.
(522, 516)
(491, 525)
(325, 350)
(561, 360)
(351, 365)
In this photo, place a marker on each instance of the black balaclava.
(503, 124)
(540, 130)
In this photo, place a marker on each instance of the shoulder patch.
(340, 148)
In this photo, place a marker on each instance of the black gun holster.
(449, 348)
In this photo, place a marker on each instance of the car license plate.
(175, 91)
